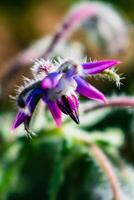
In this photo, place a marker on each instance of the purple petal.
(33, 99)
(89, 91)
(51, 80)
(98, 66)
(30, 105)
(54, 109)
(73, 101)
(20, 118)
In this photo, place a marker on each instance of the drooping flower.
(57, 86)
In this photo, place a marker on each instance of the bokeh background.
(22, 23)
(51, 167)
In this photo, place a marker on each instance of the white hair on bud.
(111, 75)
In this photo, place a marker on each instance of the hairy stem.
(113, 102)
(101, 159)
(108, 170)
(75, 17)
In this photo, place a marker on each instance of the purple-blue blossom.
(58, 87)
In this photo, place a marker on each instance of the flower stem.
(112, 102)
(101, 159)
(74, 18)
(109, 171)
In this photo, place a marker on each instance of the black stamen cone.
(72, 113)
(75, 117)
(62, 107)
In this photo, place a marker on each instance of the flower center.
(70, 68)
(65, 86)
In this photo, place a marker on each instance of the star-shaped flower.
(57, 86)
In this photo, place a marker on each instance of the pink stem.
(115, 102)
(108, 170)
(74, 18)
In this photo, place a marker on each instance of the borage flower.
(57, 87)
